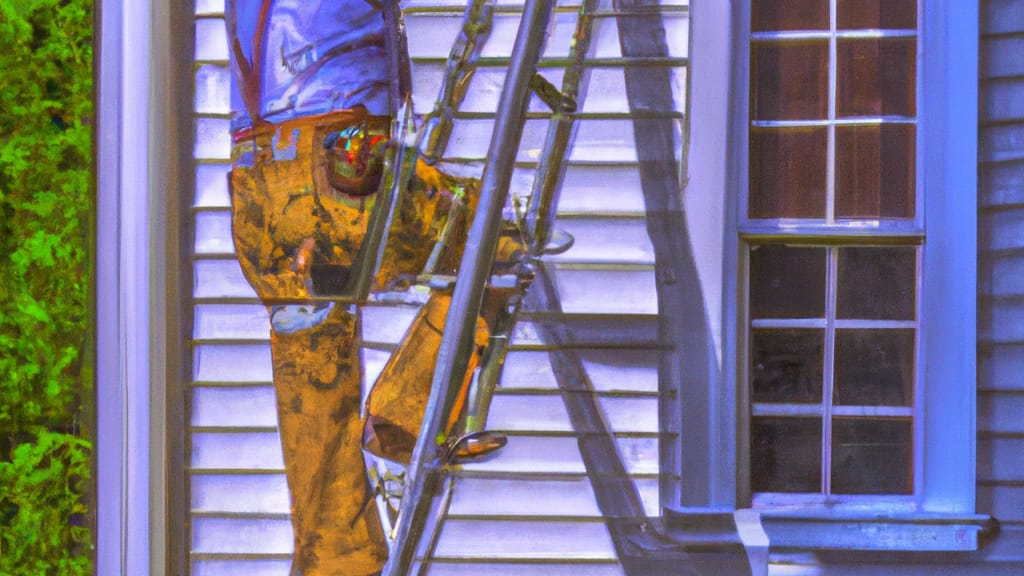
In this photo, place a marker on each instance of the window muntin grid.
(832, 371)
(816, 356)
(809, 110)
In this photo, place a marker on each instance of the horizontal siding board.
(528, 370)
(231, 321)
(483, 568)
(505, 497)
(246, 406)
(211, 186)
(912, 567)
(547, 413)
(1001, 321)
(1001, 17)
(386, 324)
(1007, 548)
(212, 139)
(1001, 56)
(213, 89)
(639, 455)
(585, 189)
(373, 364)
(211, 39)
(597, 140)
(237, 450)
(241, 567)
(1003, 230)
(622, 241)
(631, 414)
(241, 535)
(533, 454)
(221, 278)
(209, 7)
(1003, 100)
(517, 413)
(232, 363)
(1001, 275)
(621, 370)
(1001, 184)
(213, 232)
(1001, 458)
(521, 540)
(605, 90)
(1001, 367)
(619, 331)
(561, 455)
(240, 493)
(1001, 412)
(1002, 143)
(431, 35)
(609, 370)
(606, 291)
(1004, 502)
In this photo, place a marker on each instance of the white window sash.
(947, 161)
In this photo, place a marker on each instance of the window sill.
(831, 530)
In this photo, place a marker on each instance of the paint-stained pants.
(287, 218)
(317, 378)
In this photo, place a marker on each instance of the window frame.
(834, 233)
(140, 143)
(941, 513)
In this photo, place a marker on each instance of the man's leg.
(317, 377)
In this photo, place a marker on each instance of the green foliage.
(45, 213)
(50, 539)
(45, 204)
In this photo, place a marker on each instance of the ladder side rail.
(543, 202)
(551, 169)
(476, 27)
(457, 342)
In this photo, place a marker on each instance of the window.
(830, 236)
(832, 164)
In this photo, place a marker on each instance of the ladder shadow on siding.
(641, 544)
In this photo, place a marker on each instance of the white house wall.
(1001, 277)
(531, 510)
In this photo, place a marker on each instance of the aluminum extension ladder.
(427, 470)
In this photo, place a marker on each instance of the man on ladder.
(314, 97)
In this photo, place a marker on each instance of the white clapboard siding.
(237, 487)
(1001, 279)
(530, 510)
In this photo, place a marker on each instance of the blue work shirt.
(317, 56)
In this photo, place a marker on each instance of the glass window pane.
(768, 15)
(788, 172)
(789, 81)
(876, 171)
(871, 457)
(874, 368)
(876, 77)
(787, 282)
(876, 14)
(877, 283)
(785, 455)
(787, 366)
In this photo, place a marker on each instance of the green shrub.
(45, 525)
(46, 208)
